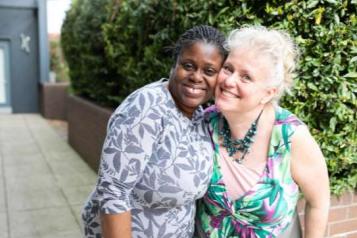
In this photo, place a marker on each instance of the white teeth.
(192, 89)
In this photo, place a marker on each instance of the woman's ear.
(172, 71)
(270, 93)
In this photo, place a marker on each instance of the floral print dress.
(265, 210)
(155, 163)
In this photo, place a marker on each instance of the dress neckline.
(266, 171)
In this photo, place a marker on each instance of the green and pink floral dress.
(268, 207)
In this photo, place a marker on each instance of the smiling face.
(194, 76)
(243, 82)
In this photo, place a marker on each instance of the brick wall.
(342, 222)
(87, 123)
(53, 100)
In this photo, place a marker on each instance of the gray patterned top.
(155, 162)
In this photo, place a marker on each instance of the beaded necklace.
(242, 145)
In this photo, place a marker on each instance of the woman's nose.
(196, 76)
(230, 81)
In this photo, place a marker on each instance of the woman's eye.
(187, 66)
(227, 69)
(246, 78)
(210, 72)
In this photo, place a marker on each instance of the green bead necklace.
(242, 145)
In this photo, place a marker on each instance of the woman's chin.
(220, 106)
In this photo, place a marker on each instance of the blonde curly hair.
(275, 44)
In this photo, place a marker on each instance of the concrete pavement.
(43, 181)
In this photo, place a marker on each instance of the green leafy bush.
(82, 41)
(122, 47)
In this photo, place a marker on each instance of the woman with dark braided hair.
(157, 156)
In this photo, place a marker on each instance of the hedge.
(122, 47)
(83, 45)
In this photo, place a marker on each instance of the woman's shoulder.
(146, 101)
(152, 91)
(145, 97)
(211, 114)
(285, 117)
(288, 124)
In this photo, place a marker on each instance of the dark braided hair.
(202, 33)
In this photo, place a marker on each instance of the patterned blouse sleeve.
(131, 134)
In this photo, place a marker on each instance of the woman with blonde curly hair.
(264, 154)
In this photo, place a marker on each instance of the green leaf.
(312, 4)
(333, 122)
(312, 86)
(354, 59)
(351, 75)
(332, 1)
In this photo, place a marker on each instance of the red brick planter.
(53, 100)
(342, 220)
(87, 124)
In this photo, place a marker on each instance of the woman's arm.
(116, 225)
(132, 132)
(309, 171)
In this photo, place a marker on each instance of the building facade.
(24, 58)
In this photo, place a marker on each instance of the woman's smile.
(228, 94)
(194, 90)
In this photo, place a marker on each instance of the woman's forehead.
(250, 60)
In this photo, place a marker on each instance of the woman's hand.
(117, 225)
(309, 171)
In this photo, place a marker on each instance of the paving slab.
(43, 181)
(18, 148)
(77, 195)
(43, 223)
(27, 199)
(33, 182)
(3, 225)
(13, 160)
(2, 197)
(25, 169)
(77, 209)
